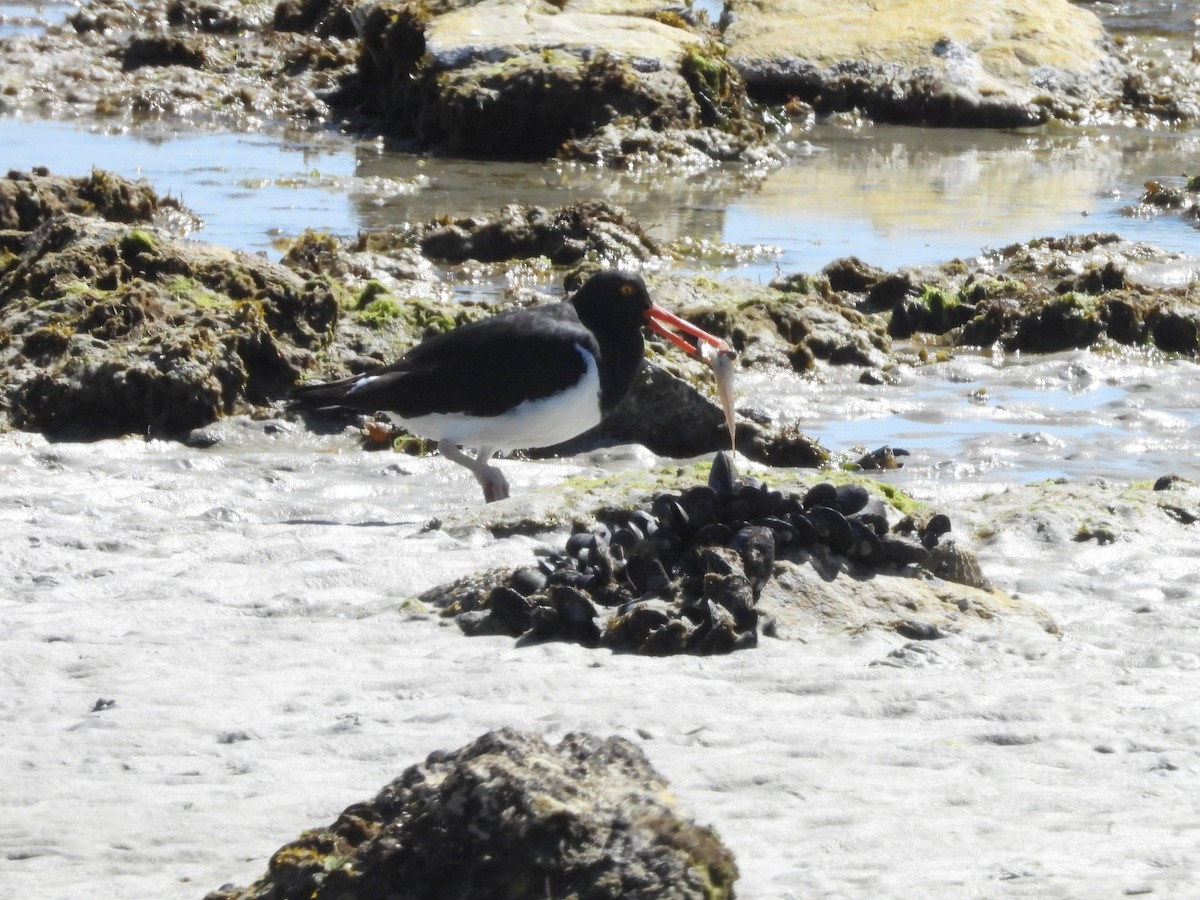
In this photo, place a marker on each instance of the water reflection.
(669, 205)
(900, 195)
(31, 18)
(892, 196)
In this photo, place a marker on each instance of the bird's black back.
(487, 367)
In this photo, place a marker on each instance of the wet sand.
(208, 651)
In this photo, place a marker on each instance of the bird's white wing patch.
(361, 383)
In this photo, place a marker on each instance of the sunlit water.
(1122, 415)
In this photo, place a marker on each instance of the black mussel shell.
(806, 532)
(572, 604)
(933, 530)
(550, 561)
(527, 580)
(883, 458)
(673, 637)
(577, 615)
(733, 509)
(647, 576)
(655, 612)
(670, 514)
(868, 548)
(714, 535)
(874, 521)
(716, 631)
(580, 544)
(572, 578)
(612, 594)
(643, 521)
(823, 494)
(756, 546)
(833, 530)
(701, 505)
(718, 560)
(918, 631)
(511, 610)
(600, 562)
(851, 498)
(624, 538)
(903, 552)
(734, 594)
(723, 476)
(783, 530)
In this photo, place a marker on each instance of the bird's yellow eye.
(627, 290)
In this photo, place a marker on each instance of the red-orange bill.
(715, 352)
(659, 319)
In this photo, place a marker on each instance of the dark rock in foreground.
(508, 816)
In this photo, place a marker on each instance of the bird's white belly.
(533, 423)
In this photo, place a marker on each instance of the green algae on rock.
(109, 328)
(1051, 294)
(505, 79)
(589, 817)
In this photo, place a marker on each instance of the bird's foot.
(494, 484)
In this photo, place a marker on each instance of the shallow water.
(980, 417)
(892, 196)
(17, 17)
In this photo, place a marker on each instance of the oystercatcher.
(520, 379)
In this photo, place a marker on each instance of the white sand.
(263, 680)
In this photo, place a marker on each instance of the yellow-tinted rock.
(509, 27)
(989, 62)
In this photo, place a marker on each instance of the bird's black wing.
(482, 369)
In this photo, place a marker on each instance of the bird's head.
(619, 300)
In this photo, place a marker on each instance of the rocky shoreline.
(113, 324)
(110, 324)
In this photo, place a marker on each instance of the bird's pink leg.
(491, 479)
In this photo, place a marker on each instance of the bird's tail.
(321, 395)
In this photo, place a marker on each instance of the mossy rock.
(118, 330)
(501, 79)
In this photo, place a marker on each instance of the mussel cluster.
(685, 575)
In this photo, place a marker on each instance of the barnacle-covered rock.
(508, 815)
(508, 79)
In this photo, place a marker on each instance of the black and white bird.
(517, 380)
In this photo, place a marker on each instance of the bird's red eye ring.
(627, 290)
